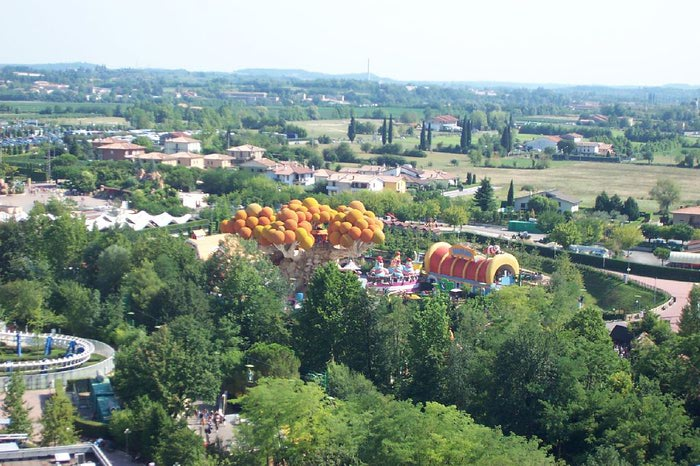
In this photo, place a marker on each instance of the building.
(343, 183)
(540, 144)
(81, 454)
(292, 174)
(189, 159)
(418, 178)
(245, 153)
(566, 203)
(322, 174)
(364, 170)
(155, 157)
(575, 137)
(120, 151)
(182, 144)
(594, 148)
(393, 183)
(96, 143)
(217, 161)
(687, 215)
(444, 123)
(261, 165)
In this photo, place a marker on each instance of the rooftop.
(691, 210)
(122, 146)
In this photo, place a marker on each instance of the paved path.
(678, 290)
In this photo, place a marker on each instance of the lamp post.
(127, 431)
(250, 375)
(627, 275)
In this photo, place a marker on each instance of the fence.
(48, 380)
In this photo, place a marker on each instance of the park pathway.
(678, 290)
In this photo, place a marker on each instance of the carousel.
(398, 277)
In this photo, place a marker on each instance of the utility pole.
(48, 165)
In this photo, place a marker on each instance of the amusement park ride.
(303, 235)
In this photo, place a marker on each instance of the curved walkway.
(678, 290)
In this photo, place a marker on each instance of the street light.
(127, 431)
(627, 275)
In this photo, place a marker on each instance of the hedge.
(92, 429)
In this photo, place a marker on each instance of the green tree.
(624, 237)
(662, 254)
(455, 216)
(273, 360)
(566, 234)
(82, 181)
(507, 139)
(631, 209)
(390, 130)
(383, 132)
(112, 264)
(429, 138)
(511, 194)
(666, 192)
(352, 129)
(690, 316)
(58, 420)
(539, 204)
(181, 446)
(422, 144)
(566, 146)
(484, 196)
(15, 407)
(463, 137)
(79, 305)
(22, 302)
(479, 120)
(429, 340)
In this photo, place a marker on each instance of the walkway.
(678, 290)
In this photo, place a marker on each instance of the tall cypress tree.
(390, 131)
(463, 136)
(384, 131)
(429, 140)
(506, 139)
(421, 145)
(511, 194)
(352, 129)
(469, 133)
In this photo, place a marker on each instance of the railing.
(60, 341)
(87, 371)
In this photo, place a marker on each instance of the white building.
(565, 203)
(182, 144)
(341, 183)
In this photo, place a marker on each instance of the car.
(524, 235)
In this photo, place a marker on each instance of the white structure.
(246, 152)
(594, 148)
(292, 174)
(566, 203)
(540, 144)
(182, 144)
(341, 183)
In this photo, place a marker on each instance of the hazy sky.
(642, 42)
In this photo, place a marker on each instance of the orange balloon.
(291, 224)
(309, 216)
(241, 214)
(367, 235)
(301, 216)
(246, 232)
(238, 224)
(257, 231)
(253, 209)
(357, 205)
(306, 226)
(252, 222)
(279, 237)
(346, 241)
(345, 226)
(370, 214)
(334, 238)
(289, 237)
(354, 233)
(263, 221)
(266, 212)
(341, 208)
(362, 224)
(223, 226)
(324, 217)
(378, 237)
(316, 218)
(287, 213)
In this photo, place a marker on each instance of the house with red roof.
(120, 151)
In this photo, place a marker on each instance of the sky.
(613, 42)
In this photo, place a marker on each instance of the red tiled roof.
(691, 210)
(122, 146)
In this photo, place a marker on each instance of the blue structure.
(71, 348)
(47, 346)
(19, 345)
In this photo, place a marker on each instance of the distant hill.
(306, 75)
(55, 66)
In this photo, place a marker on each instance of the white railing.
(82, 353)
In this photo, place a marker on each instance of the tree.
(384, 129)
(429, 340)
(624, 237)
(390, 130)
(58, 420)
(429, 138)
(540, 204)
(352, 129)
(507, 139)
(181, 446)
(463, 146)
(15, 408)
(511, 194)
(112, 264)
(566, 234)
(662, 253)
(690, 317)
(602, 202)
(484, 196)
(666, 192)
(566, 146)
(421, 144)
(273, 360)
(631, 209)
(648, 155)
(615, 204)
(455, 216)
(682, 232)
